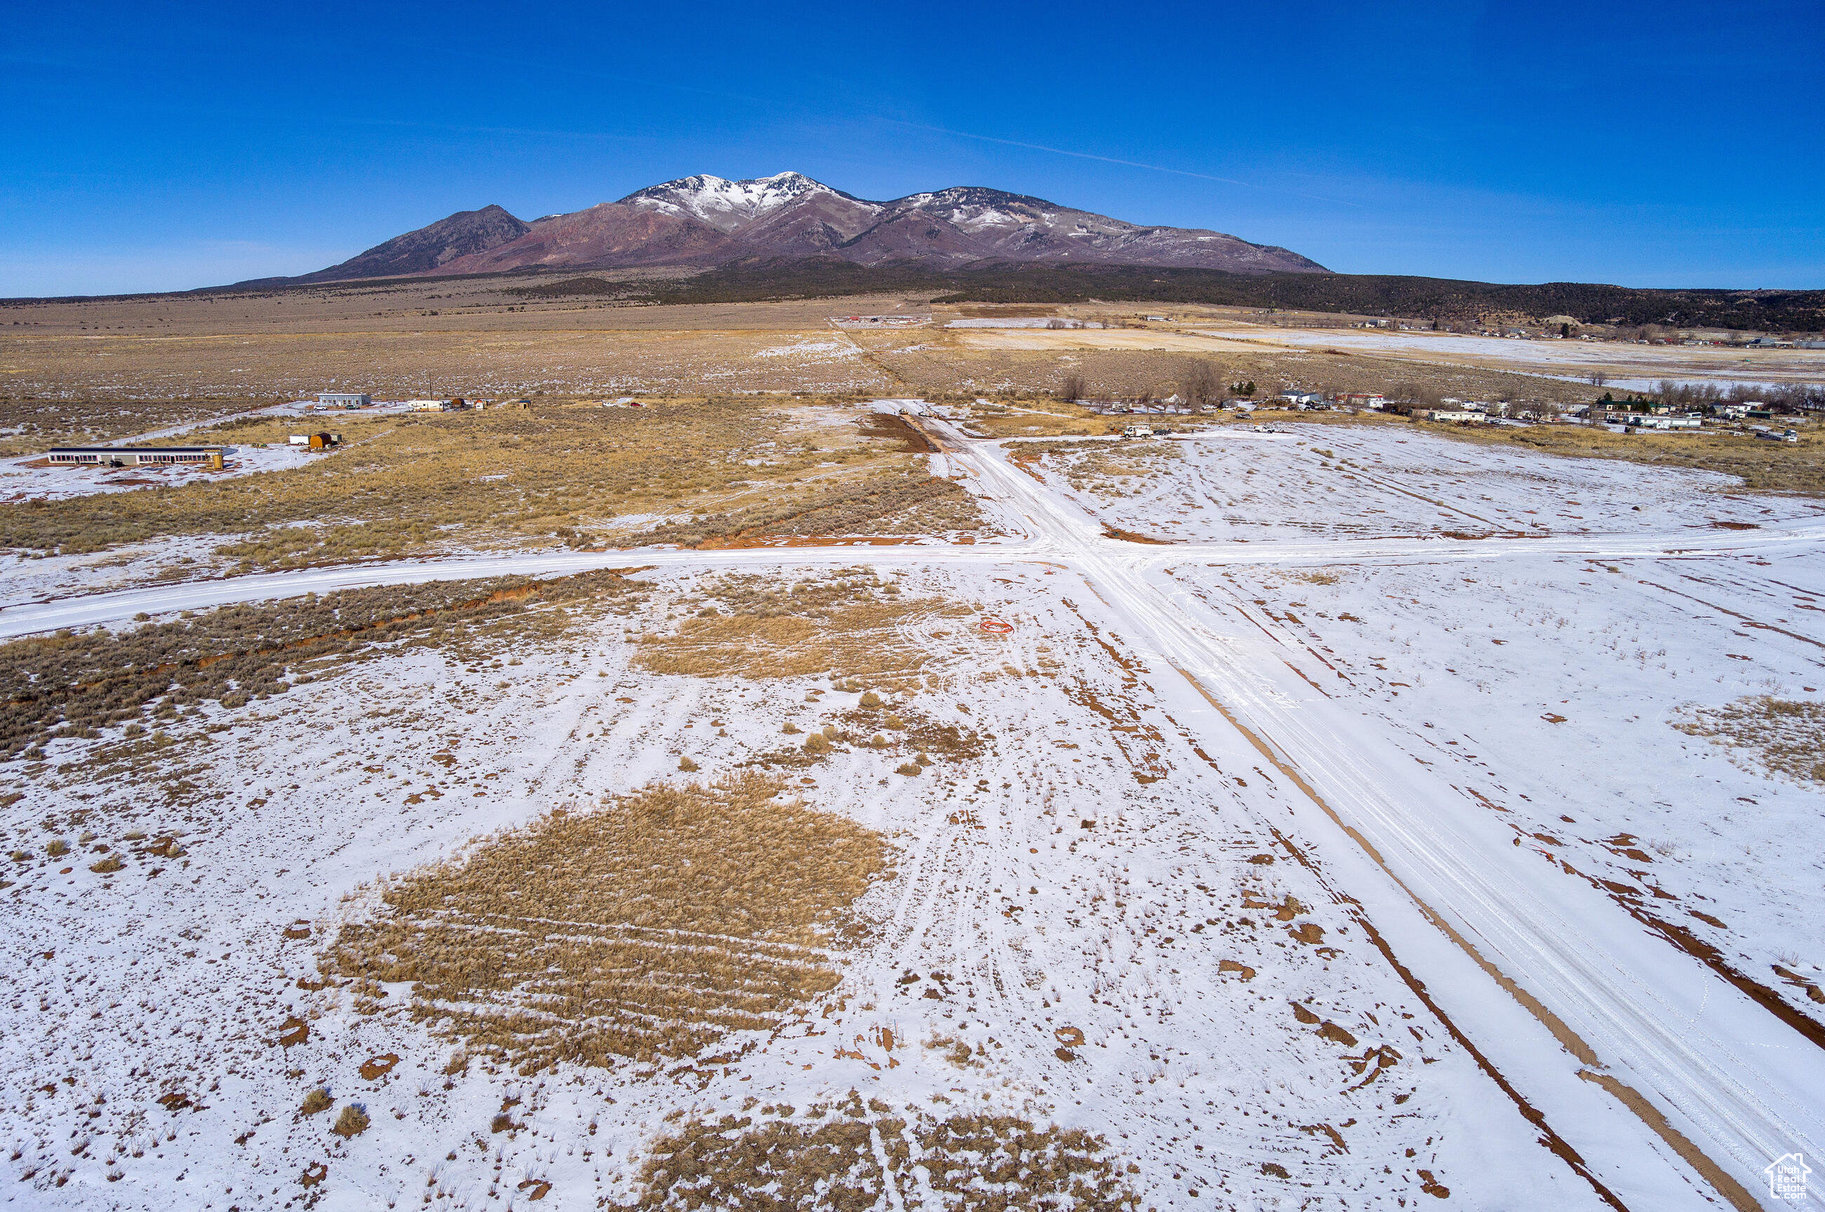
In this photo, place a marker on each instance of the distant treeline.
(1444, 299)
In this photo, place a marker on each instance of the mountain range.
(706, 221)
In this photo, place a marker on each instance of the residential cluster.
(1649, 414)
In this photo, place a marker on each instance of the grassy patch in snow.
(1105, 468)
(73, 685)
(828, 1160)
(646, 929)
(847, 623)
(1780, 737)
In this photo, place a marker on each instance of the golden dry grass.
(1045, 418)
(28, 426)
(1781, 737)
(845, 623)
(557, 474)
(400, 344)
(828, 1161)
(648, 928)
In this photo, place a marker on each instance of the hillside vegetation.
(1446, 299)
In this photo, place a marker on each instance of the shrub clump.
(352, 1122)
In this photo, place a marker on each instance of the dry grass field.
(29, 426)
(646, 928)
(462, 337)
(76, 684)
(473, 337)
(581, 475)
(105, 368)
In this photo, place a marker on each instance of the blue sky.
(162, 146)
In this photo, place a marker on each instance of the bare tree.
(1419, 395)
(1200, 384)
(1072, 388)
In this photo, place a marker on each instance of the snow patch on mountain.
(724, 204)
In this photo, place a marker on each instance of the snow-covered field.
(1234, 485)
(1092, 883)
(1023, 322)
(1552, 686)
(1560, 358)
(1339, 851)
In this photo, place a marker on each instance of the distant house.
(136, 456)
(1450, 416)
(434, 405)
(1363, 399)
(344, 399)
(1665, 422)
(1300, 399)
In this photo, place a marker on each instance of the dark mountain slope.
(464, 233)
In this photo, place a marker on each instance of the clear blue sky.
(162, 146)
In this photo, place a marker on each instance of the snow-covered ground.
(811, 348)
(1023, 322)
(1092, 883)
(1423, 689)
(1573, 359)
(1234, 485)
(1551, 686)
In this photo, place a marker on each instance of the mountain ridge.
(705, 221)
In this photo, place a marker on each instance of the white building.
(344, 399)
(136, 456)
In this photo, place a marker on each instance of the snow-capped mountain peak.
(708, 220)
(724, 204)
